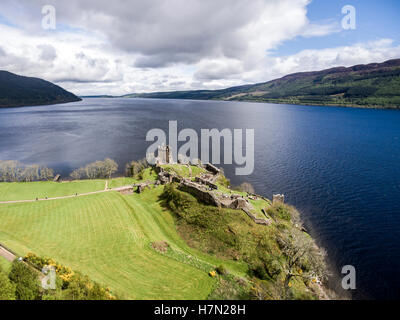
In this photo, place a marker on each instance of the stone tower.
(164, 155)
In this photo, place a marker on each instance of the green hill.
(162, 243)
(18, 91)
(373, 85)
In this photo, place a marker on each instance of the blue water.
(339, 166)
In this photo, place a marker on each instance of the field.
(10, 191)
(108, 236)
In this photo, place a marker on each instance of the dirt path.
(7, 254)
(67, 197)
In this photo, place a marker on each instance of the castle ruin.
(164, 155)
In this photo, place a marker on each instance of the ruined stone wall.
(206, 182)
(278, 198)
(200, 194)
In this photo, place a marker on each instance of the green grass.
(148, 174)
(107, 236)
(183, 170)
(121, 182)
(10, 191)
(5, 265)
(258, 205)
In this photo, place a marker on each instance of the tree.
(134, 168)
(30, 173)
(303, 258)
(91, 170)
(7, 288)
(110, 167)
(81, 287)
(25, 280)
(246, 187)
(78, 174)
(46, 173)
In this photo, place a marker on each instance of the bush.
(272, 266)
(136, 168)
(280, 211)
(81, 287)
(221, 270)
(245, 187)
(259, 272)
(222, 180)
(26, 281)
(7, 288)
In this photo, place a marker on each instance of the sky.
(126, 46)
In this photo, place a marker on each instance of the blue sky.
(374, 20)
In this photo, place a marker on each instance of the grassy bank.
(107, 236)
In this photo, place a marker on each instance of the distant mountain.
(17, 91)
(373, 85)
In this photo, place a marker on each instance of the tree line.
(14, 171)
(96, 170)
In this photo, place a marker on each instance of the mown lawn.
(10, 191)
(107, 236)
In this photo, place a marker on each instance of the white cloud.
(118, 47)
(359, 53)
(48, 53)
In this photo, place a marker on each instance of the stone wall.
(198, 192)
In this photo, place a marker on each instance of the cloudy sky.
(124, 46)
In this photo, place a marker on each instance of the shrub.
(280, 211)
(212, 274)
(136, 168)
(82, 288)
(7, 288)
(224, 181)
(221, 270)
(259, 272)
(272, 266)
(73, 285)
(26, 281)
(245, 187)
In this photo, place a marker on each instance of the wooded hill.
(374, 85)
(17, 91)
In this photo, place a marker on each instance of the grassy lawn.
(30, 190)
(107, 236)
